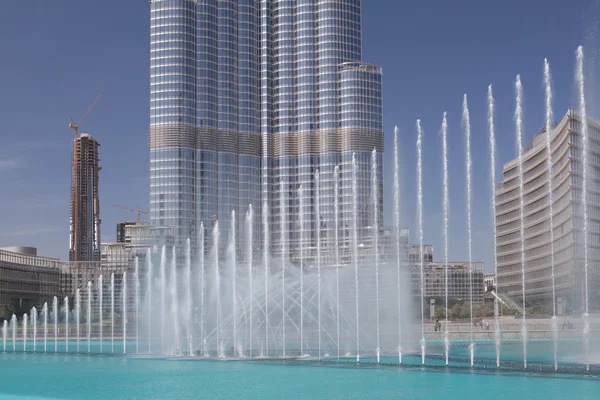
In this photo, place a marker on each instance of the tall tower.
(84, 235)
(248, 99)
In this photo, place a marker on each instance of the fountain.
(584, 199)
(149, 285)
(318, 225)
(336, 211)
(188, 295)
(250, 260)
(266, 247)
(112, 312)
(136, 278)
(355, 247)
(233, 263)
(45, 312)
(163, 300)
(466, 120)
(398, 245)
(550, 166)
(55, 315)
(519, 129)
(445, 208)
(201, 255)
(66, 310)
(124, 310)
(4, 334)
(176, 350)
(302, 217)
(338, 280)
(13, 326)
(420, 223)
(100, 310)
(24, 327)
(77, 314)
(34, 317)
(490, 98)
(375, 223)
(89, 315)
(215, 251)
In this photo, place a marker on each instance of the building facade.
(84, 221)
(249, 99)
(567, 217)
(464, 280)
(27, 280)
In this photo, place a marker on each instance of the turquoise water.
(58, 376)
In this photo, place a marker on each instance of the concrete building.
(84, 221)
(567, 169)
(28, 280)
(248, 100)
(459, 285)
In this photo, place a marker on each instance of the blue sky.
(57, 56)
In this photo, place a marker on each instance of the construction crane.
(137, 210)
(74, 184)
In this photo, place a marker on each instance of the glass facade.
(249, 98)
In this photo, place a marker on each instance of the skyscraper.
(84, 221)
(249, 98)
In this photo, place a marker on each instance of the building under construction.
(84, 235)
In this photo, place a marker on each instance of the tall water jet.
(13, 326)
(584, 137)
(174, 302)
(446, 206)
(519, 131)
(216, 235)
(355, 247)
(250, 256)
(318, 228)
(336, 211)
(492, 135)
(375, 238)
(100, 310)
(201, 260)
(45, 312)
(112, 312)
(163, 300)
(137, 305)
(4, 334)
(301, 211)
(283, 238)
(233, 263)
(34, 323)
(188, 295)
(548, 127)
(55, 316)
(24, 331)
(66, 308)
(77, 314)
(420, 222)
(89, 315)
(149, 297)
(124, 310)
(398, 245)
(466, 120)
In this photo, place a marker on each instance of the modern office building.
(567, 211)
(249, 98)
(84, 221)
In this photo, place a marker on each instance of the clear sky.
(57, 56)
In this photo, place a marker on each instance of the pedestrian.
(481, 325)
(487, 325)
